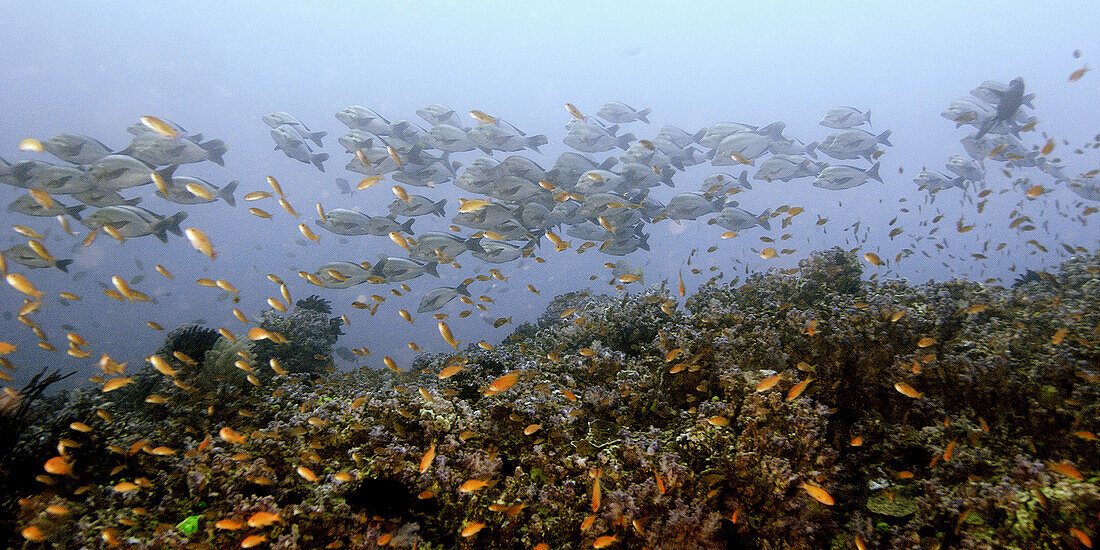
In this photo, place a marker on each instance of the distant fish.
(280, 118)
(621, 113)
(845, 117)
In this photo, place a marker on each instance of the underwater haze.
(411, 178)
(217, 68)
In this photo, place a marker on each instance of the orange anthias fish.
(819, 494)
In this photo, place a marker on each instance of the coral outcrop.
(795, 410)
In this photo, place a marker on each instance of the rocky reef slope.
(795, 410)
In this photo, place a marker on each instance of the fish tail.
(762, 219)
(226, 193)
(407, 227)
(63, 265)
(623, 141)
(215, 148)
(666, 177)
(438, 208)
(316, 137)
(317, 159)
(810, 149)
(171, 223)
(867, 119)
(461, 289)
(743, 179)
(429, 268)
(884, 138)
(533, 142)
(74, 210)
(873, 172)
(473, 244)
(643, 114)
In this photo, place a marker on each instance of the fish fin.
(407, 227)
(698, 136)
(873, 172)
(429, 268)
(226, 193)
(486, 150)
(533, 142)
(74, 210)
(608, 164)
(461, 289)
(867, 119)
(644, 245)
(195, 138)
(63, 265)
(474, 244)
(445, 160)
(884, 138)
(810, 150)
(643, 114)
(167, 172)
(774, 129)
(623, 141)
(679, 165)
(762, 219)
(611, 130)
(666, 177)
(171, 223)
(316, 136)
(317, 159)
(215, 148)
(743, 180)
(438, 208)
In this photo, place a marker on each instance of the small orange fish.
(481, 117)
(58, 466)
(263, 519)
(472, 485)
(574, 111)
(471, 529)
(797, 389)
(504, 382)
(907, 390)
(819, 494)
(253, 541)
(1076, 75)
(604, 541)
(873, 259)
(445, 332)
(426, 460)
(200, 242)
(1081, 536)
(162, 128)
(1066, 469)
(769, 382)
(1059, 336)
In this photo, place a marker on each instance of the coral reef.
(310, 331)
(796, 410)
